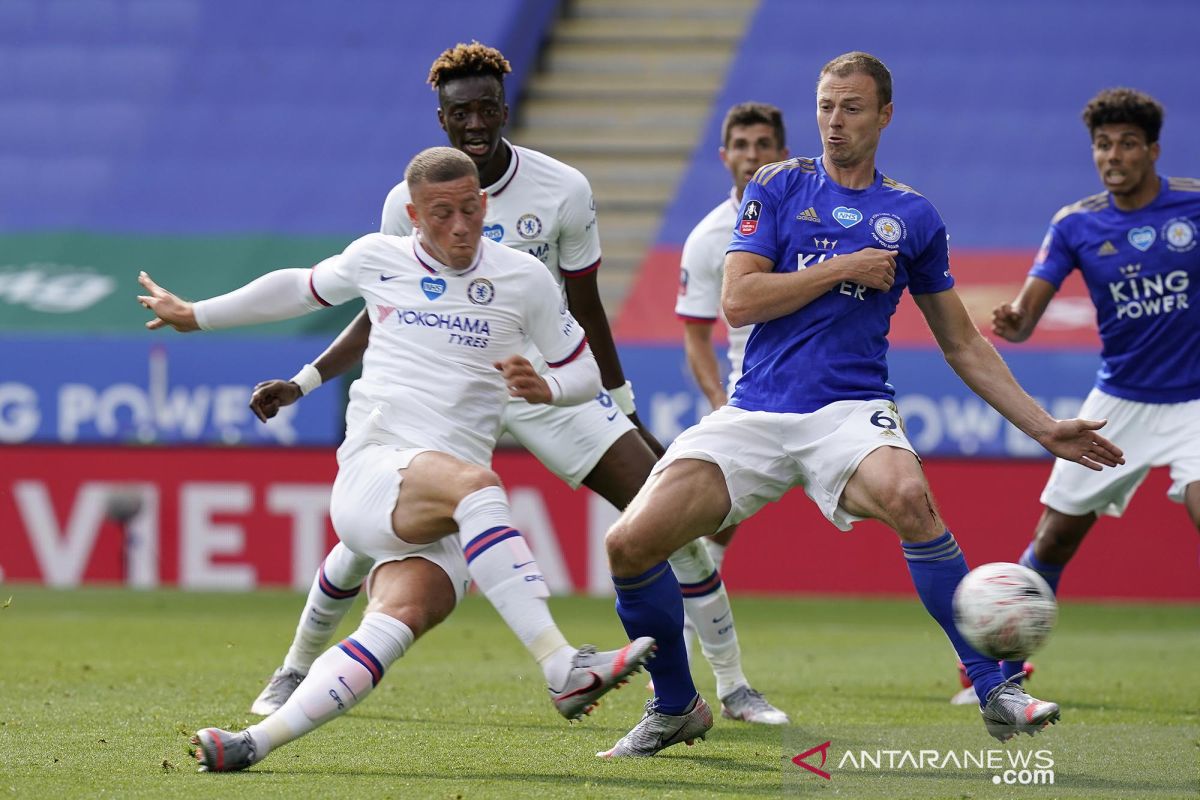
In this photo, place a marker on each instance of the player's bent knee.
(472, 478)
(628, 550)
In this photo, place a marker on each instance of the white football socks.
(334, 590)
(709, 612)
(504, 569)
(340, 679)
(716, 552)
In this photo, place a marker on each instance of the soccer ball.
(1004, 610)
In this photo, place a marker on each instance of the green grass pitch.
(99, 690)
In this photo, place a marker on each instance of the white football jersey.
(701, 271)
(539, 206)
(435, 333)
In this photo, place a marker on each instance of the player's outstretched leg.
(706, 605)
(1052, 574)
(502, 565)
(328, 603)
(937, 567)
(338, 680)
(650, 604)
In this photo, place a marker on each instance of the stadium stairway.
(623, 92)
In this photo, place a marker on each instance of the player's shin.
(650, 604)
(706, 604)
(340, 679)
(334, 590)
(936, 568)
(503, 567)
(1052, 574)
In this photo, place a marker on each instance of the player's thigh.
(417, 590)
(569, 440)
(686, 500)
(431, 486)
(1179, 429)
(384, 495)
(622, 470)
(889, 485)
(857, 463)
(1139, 430)
(730, 462)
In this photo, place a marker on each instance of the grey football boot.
(283, 682)
(1010, 711)
(224, 751)
(657, 731)
(748, 705)
(593, 674)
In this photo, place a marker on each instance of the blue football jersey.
(834, 348)
(1142, 269)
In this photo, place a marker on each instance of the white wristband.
(623, 397)
(308, 378)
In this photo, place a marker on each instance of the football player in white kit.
(543, 207)
(451, 313)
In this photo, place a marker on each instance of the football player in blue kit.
(822, 250)
(1137, 246)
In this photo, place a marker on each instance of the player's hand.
(1008, 320)
(871, 267)
(1076, 440)
(270, 396)
(166, 307)
(648, 437)
(523, 380)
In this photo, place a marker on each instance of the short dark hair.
(439, 165)
(1122, 105)
(753, 114)
(468, 60)
(859, 62)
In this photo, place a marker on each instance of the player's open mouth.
(476, 148)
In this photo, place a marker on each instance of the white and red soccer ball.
(1004, 611)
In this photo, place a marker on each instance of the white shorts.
(569, 440)
(763, 454)
(1151, 434)
(364, 494)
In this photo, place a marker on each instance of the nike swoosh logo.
(387, 277)
(523, 564)
(595, 684)
(613, 416)
(342, 681)
(718, 619)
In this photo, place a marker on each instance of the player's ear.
(885, 116)
(723, 154)
(412, 213)
(483, 198)
(442, 118)
(1155, 150)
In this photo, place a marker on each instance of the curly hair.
(464, 60)
(1124, 106)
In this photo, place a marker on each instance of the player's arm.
(1015, 321)
(702, 360)
(342, 354)
(573, 376)
(752, 293)
(282, 294)
(974, 359)
(579, 259)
